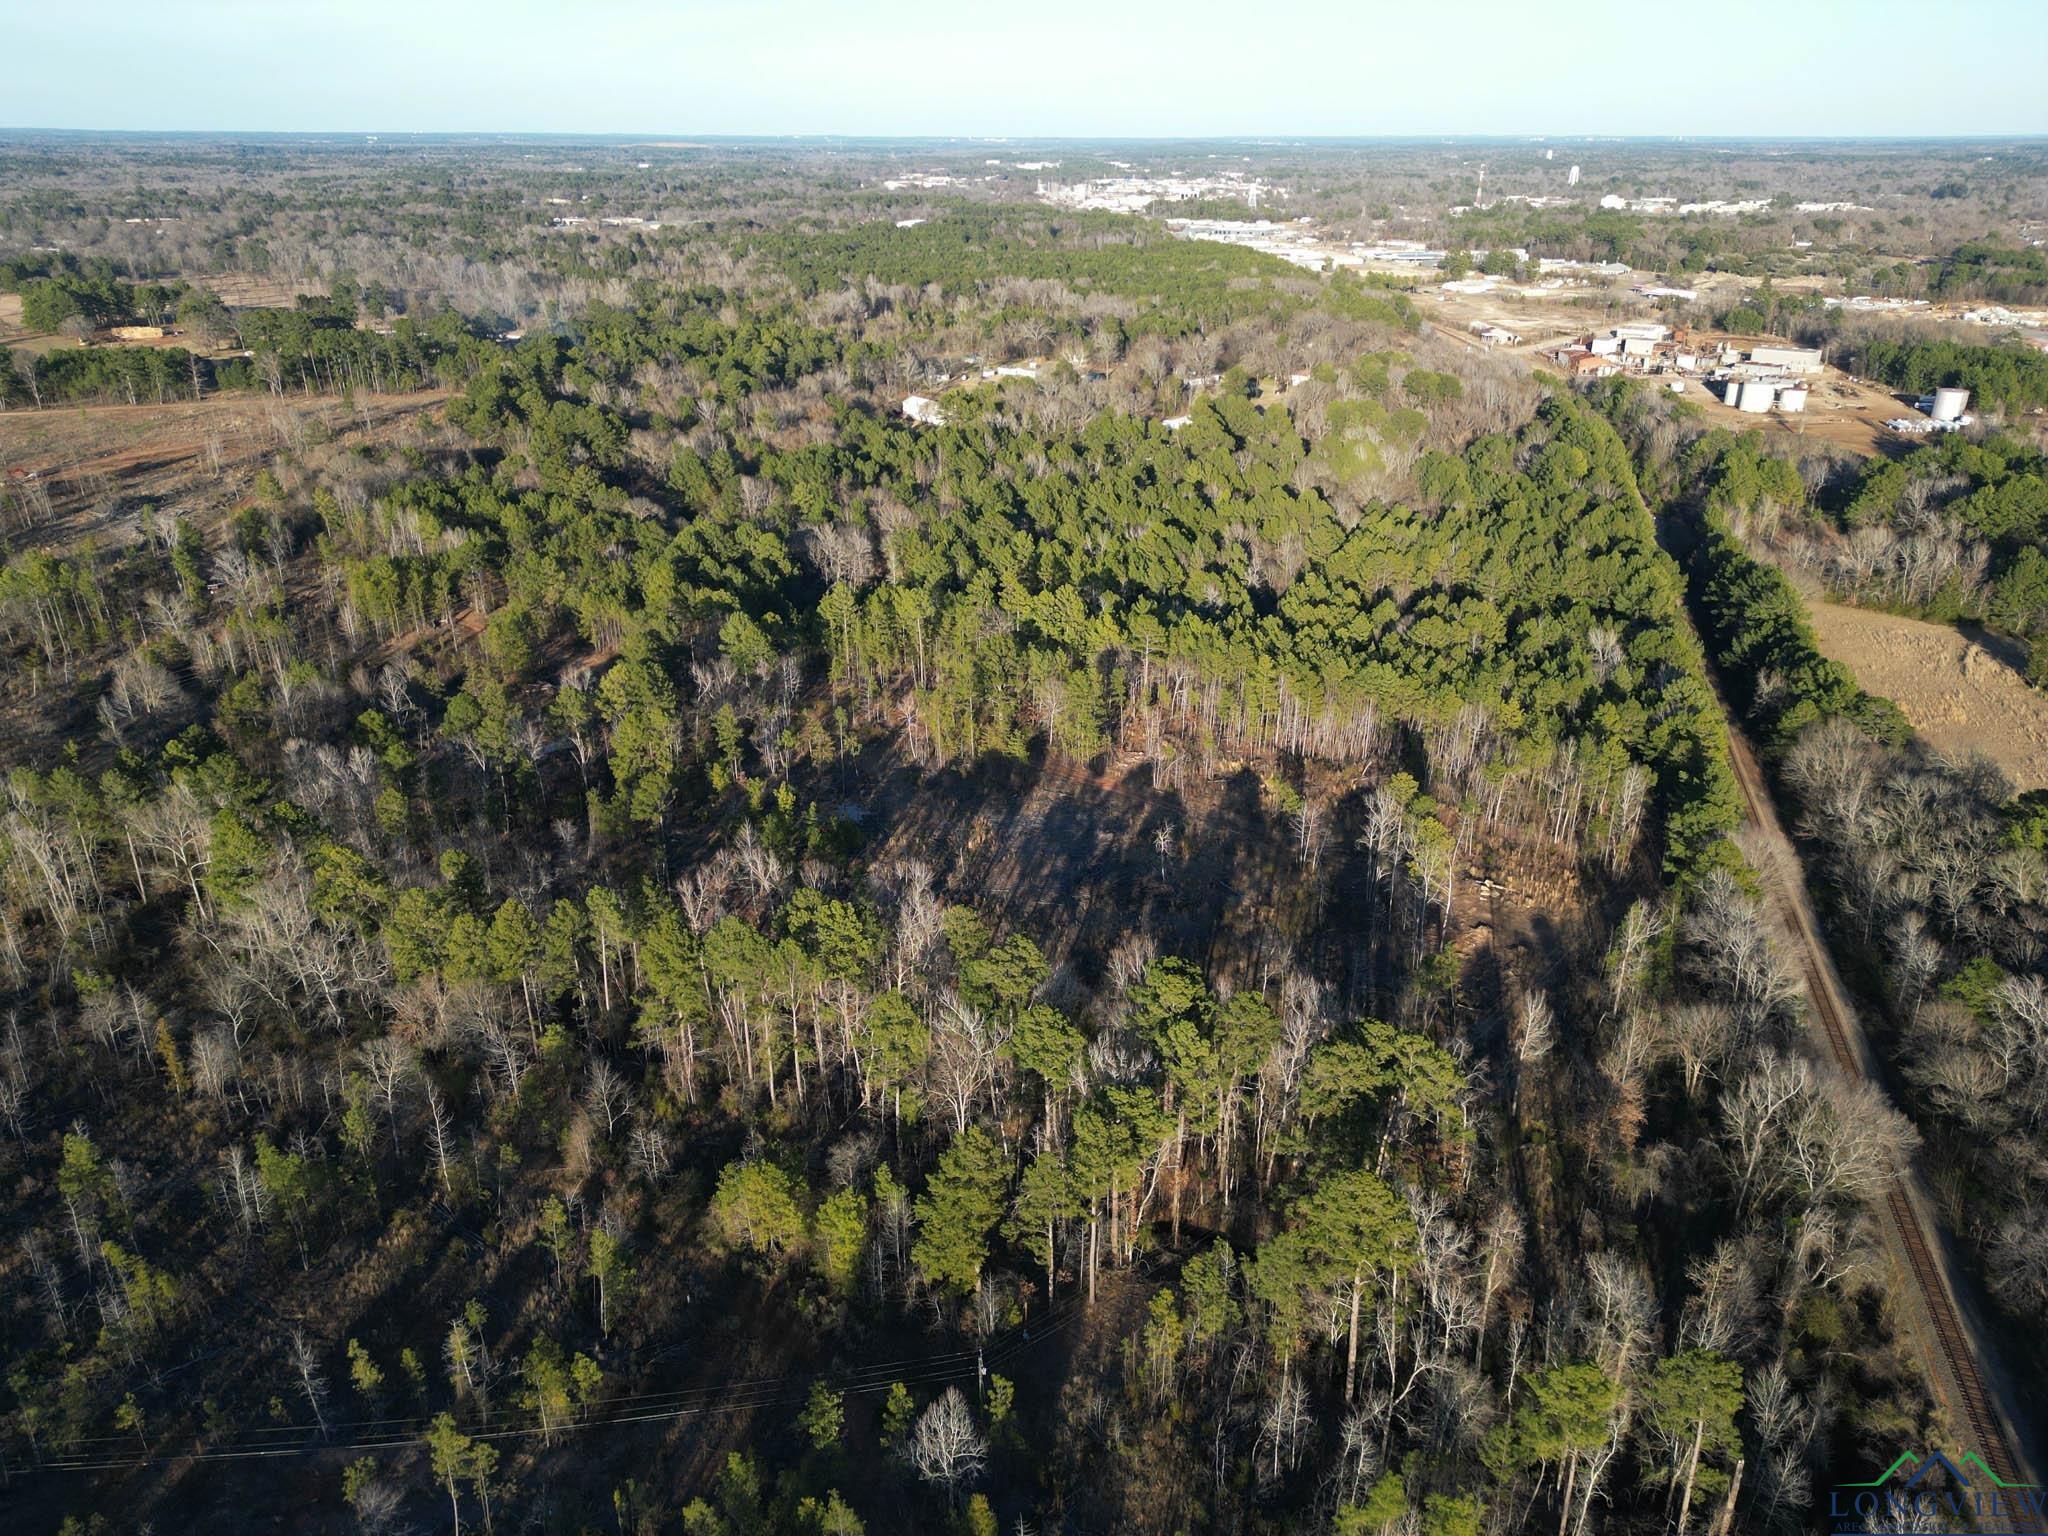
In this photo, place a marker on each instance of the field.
(248, 290)
(1960, 695)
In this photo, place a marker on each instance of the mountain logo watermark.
(1963, 1494)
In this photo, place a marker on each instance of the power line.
(627, 1408)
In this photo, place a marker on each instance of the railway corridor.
(1962, 1377)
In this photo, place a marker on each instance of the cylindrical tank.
(1949, 404)
(1731, 393)
(1793, 399)
(1757, 396)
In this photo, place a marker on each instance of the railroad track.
(1964, 1392)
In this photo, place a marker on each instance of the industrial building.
(1769, 378)
(1640, 346)
(1791, 359)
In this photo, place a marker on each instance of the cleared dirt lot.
(73, 471)
(1959, 694)
(248, 290)
(16, 335)
(1840, 410)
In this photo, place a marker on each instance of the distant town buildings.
(1589, 268)
(1614, 202)
(1134, 194)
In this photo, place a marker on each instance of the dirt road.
(1961, 1372)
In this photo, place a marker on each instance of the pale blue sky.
(1738, 68)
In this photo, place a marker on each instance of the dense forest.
(659, 948)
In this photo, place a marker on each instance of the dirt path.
(1959, 695)
(1965, 1379)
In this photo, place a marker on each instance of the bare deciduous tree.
(945, 1447)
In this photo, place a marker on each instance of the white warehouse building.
(1791, 359)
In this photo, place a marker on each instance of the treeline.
(290, 351)
(1979, 270)
(106, 375)
(1753, 618)
(1952, 530)
(315, 350)
(58, 287)
(2005, 376)
(1929, 865)
(1956, 529)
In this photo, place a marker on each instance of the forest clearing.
(1959, 693)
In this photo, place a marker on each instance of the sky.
(1067, 68)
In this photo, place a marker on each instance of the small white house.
(1175, 423)
(924, 411)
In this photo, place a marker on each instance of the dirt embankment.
(1959, 694)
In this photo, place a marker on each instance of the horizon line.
(1528, 136)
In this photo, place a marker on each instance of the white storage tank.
(1792, 399)
(1949, 404)
(1757, 396)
